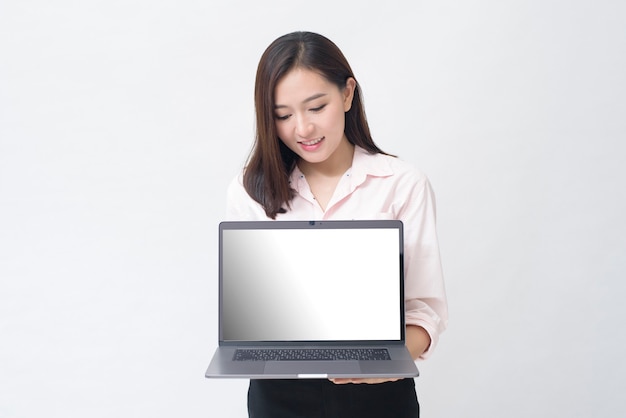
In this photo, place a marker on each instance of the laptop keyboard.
(294, 354)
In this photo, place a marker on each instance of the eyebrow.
(308, 99)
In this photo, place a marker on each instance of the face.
(310, 114)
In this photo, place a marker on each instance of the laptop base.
(401, 365)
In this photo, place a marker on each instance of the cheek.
(338, 121)
(285, 137)
(281, 131)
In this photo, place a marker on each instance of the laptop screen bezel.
(324, 224)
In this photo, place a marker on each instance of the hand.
(417, 340)
(343, 381)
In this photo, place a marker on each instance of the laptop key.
(308, 354)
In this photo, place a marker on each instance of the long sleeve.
(425, 296)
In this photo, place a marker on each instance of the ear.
(348, 93)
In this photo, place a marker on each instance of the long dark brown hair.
(266, 177)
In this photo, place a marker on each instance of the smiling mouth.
(312, 142)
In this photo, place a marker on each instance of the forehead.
(300, 84)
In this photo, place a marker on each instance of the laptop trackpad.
(312, 367)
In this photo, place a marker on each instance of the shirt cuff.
(433, 326)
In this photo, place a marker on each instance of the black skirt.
(321, 398)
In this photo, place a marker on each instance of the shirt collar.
(364, 164)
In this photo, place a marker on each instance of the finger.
(341, 381)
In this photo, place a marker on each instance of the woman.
(314, 159)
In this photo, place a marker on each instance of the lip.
(310, 143)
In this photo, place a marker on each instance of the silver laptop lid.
(311, 281)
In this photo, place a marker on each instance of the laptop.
(311, 299)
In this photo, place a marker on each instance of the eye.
(285, 117)
(317, 109)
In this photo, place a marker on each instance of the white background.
(121, 123)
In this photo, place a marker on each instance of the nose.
(304, 127)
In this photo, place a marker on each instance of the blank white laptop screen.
(311, 285)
